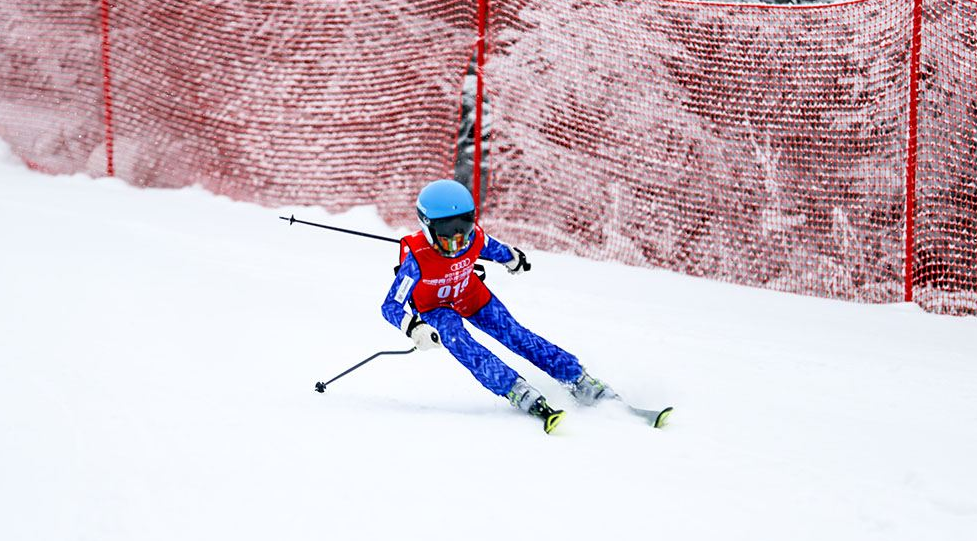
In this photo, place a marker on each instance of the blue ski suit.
(493, 319)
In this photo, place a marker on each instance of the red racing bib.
(446, 282)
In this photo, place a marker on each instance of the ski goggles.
(453, 245)
(453, 234)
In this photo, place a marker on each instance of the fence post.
(911, 159)
(107, 88)
(479, 96)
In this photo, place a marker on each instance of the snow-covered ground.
(158, 351)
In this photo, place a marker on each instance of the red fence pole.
(107, 89)
(479, 93)
(911, 161)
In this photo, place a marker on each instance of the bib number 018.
(445, 291)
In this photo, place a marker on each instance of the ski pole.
(321, 387)
(294, 220)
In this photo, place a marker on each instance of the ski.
(657, 419)
(550, 417)
(552, 420)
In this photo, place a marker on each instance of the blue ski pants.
(496, 321)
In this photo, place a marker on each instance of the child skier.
(436, 278)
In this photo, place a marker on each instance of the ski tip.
(551, 422)
(662, 418)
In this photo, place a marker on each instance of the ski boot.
(525, 397)
(589, 390)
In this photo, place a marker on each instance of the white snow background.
(158, 351)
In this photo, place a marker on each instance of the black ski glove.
(518, 263)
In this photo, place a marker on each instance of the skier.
(436, 278)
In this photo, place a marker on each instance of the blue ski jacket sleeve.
(394, 305)
(496, 251)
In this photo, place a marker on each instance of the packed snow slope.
(158, 351)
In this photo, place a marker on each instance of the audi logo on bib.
(461, 264)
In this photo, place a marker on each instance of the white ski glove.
(423, 335)
(518, 263)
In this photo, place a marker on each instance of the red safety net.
(763, 146)
(51, 84)
(336, 103)
(760, 145)
(769, 146)
(944, 273)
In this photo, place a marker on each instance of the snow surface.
(158, 350)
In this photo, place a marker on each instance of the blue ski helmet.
(447, 214)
